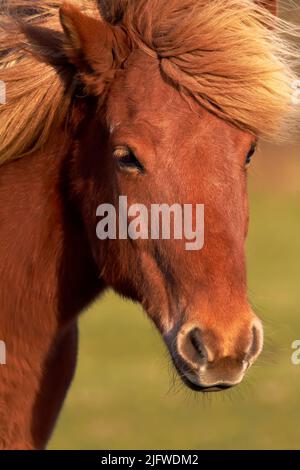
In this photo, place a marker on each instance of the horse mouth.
(200, 388)
(185, 376)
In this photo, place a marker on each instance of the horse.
(163, 102)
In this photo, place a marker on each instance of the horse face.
(163, 149)
(154, 145)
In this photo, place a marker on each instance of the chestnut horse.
(162, 102)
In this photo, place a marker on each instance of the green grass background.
(124, 395)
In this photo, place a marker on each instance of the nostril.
(198, 350)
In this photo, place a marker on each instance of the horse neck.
(46, 261)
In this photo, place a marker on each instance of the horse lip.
(201, 388)
(198, 387)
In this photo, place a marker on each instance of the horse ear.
(112, 11)
(271, 5)
(94, 47)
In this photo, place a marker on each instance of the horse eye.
(127, 160)
(251, 153)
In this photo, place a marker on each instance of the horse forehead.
(161, 119)
(140, 88)
(140, 93)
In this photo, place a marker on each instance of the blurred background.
(125, 395)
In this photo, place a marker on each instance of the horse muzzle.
(208, 361)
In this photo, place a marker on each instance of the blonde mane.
(232, 56)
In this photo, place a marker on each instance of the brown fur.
(76, 93)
